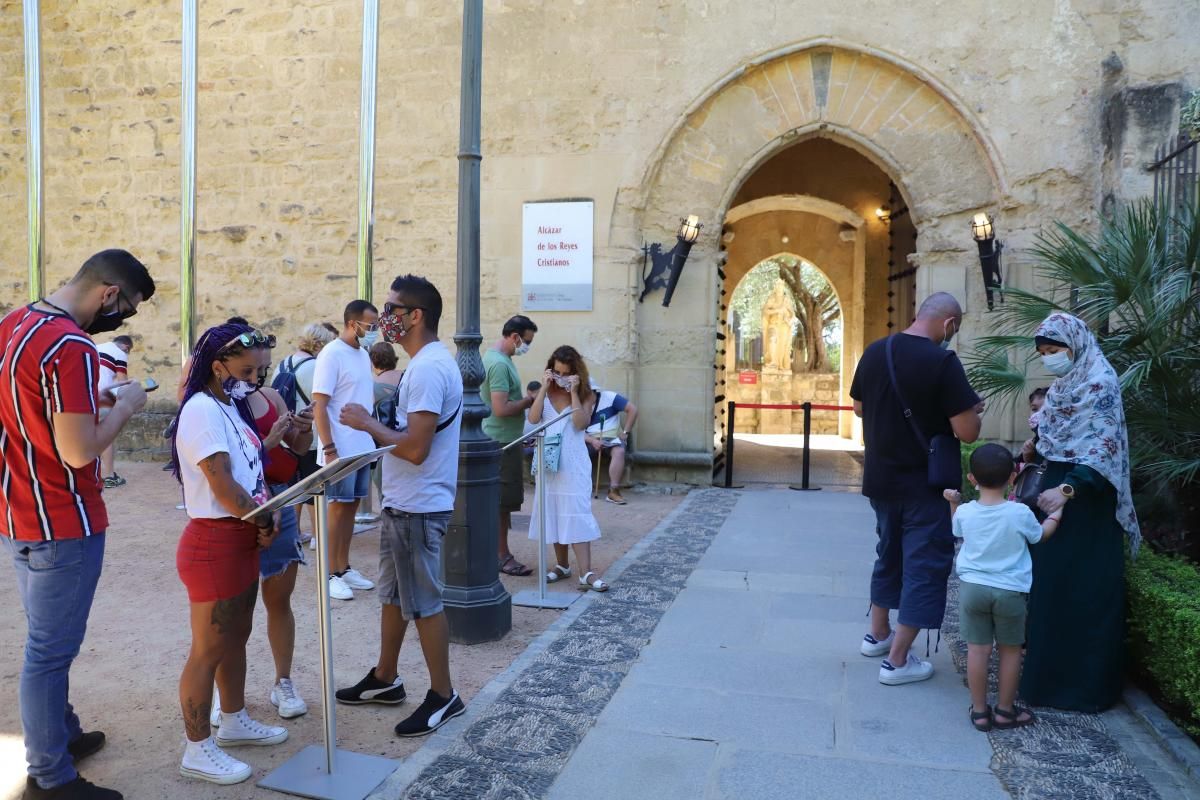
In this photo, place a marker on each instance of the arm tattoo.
(218, 470)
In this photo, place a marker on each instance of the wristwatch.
(1068, 491)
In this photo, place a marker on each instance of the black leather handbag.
(1028, 487)
(944, 452)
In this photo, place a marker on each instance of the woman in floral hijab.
(1076, 604)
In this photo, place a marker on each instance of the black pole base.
(795, 488)
(478, 614)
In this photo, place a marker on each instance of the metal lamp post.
(984, 234)
(478, 608)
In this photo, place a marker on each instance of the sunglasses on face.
(129, 310)
(398, 308)
(255, 338)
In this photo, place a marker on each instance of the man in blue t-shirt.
(607, 433)
(916, 545)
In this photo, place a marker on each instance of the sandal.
(1013, 717)
(558, 573)
(510, 566)
(597, 585)
(981, 720)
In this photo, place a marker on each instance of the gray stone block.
(613, 763)
(775, 776)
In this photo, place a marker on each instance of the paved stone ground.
(724, 664)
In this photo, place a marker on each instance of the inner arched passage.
(785, 341)
(835, 208)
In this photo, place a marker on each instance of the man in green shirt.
(502, 393)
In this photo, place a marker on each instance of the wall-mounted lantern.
(883, 215)
(665, 268)
(989, 255)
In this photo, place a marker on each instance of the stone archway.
(892, 112)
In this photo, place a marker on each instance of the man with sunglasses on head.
(52, 515)
(342, 377)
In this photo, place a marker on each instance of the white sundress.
(569, 518)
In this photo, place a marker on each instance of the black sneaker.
(78, 789)
(372, 690)
(86, 745)
(435, 712)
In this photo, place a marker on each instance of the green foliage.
(1164, 630)
(814, 304)
(1189, 116)
(1137, 284)
(969, 492)
(751, 295)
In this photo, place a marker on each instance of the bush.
(969, 492)
(1164, 631)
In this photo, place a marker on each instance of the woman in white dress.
(568, 490)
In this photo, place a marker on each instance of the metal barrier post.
(730, 427)
(806, 460)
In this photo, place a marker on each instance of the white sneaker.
(874, 648)
(207, 762)
(214, 717)
(284, 698)
(312, 543)
(239, 729)
(911, 671)
(355, 580)
(338, 589)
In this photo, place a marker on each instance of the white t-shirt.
(995, 548)
(344, 374)
(207, 426)
(114, 364)
(432, 382)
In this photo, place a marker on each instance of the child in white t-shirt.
(995, 572)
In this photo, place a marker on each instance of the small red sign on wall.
(748, 378)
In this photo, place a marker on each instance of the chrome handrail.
(538, 430)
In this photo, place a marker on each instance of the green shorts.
(512, 479)
(987, 614)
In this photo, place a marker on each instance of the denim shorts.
(410, 561)
(350, 488)
(286, 549)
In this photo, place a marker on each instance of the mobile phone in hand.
(149, 384)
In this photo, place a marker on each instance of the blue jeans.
(57, 581)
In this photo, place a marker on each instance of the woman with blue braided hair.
(217, 454)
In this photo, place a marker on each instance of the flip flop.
(510, 566)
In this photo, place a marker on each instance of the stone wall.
(785, 388)
(1036, 111)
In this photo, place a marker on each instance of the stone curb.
(416, 763)
(1165, 732)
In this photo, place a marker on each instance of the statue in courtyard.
(778, 324)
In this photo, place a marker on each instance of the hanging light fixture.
(665, 268)
(984, 233)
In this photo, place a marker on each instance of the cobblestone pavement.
(519, 745)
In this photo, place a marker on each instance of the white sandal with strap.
(597, 585)
(558, 573)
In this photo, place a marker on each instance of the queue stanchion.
(326, 773)
(806, 458)
(730, 427)
(541, 598)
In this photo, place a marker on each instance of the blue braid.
(203, 355)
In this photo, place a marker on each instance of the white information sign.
(556, 257)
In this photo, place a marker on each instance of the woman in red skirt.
(217, 456)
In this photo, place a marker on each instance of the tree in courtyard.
(814, 304)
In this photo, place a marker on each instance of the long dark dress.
(1077, 603)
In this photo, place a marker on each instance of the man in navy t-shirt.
(916, 545)
(605, 432)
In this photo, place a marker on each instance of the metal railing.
(1176, 175)
(806, 459)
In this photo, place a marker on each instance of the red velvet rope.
(792, 407)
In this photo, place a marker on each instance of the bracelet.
(328, 447)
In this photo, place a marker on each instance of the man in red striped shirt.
(51, 514)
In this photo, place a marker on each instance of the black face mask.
(107, 321)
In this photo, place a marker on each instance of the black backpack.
(286, 384)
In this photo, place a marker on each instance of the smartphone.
(149, 384)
